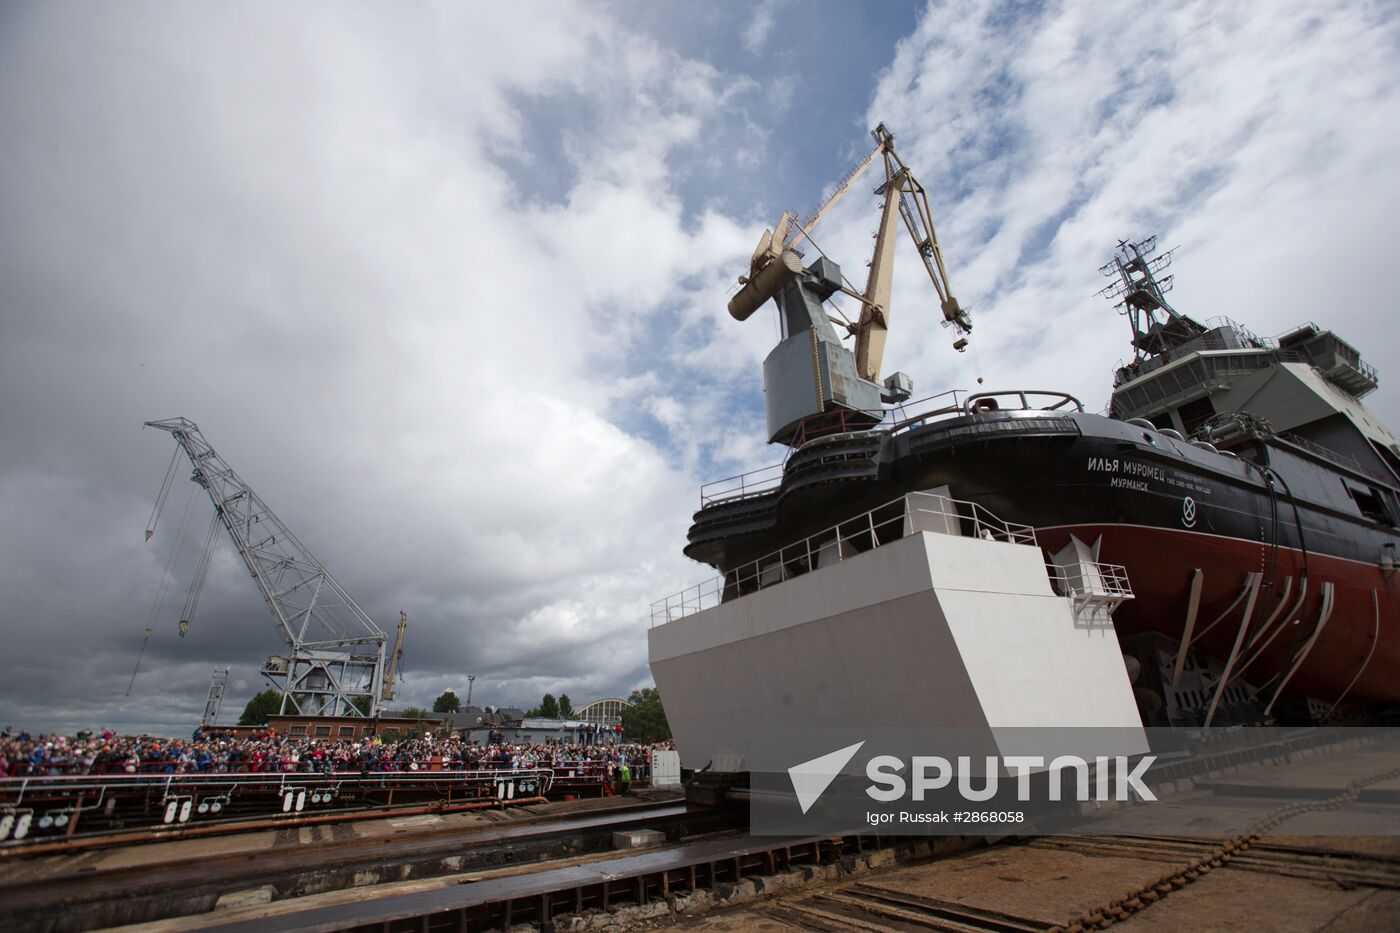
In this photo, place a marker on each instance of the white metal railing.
(916, 511)
(898, 418)
(743, 485)
(1090, 579)
(1095, 590)
(1222, 320)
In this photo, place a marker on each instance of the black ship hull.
(1180, 517)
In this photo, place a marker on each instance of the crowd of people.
(105, 752)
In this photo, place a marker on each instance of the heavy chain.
(1101, 917)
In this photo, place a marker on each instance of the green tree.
(447, 702)
(646, 720)
(362, 704)
(566, 708)
(548, 708)
(260, 707)
(414, 712)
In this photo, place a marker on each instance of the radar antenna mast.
(1142, 297)
(335, 666)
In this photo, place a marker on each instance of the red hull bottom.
(1355, 658)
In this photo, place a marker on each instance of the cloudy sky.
(446, 283)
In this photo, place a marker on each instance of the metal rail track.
(78, 899)
(872, 907)
(1314, 864)
(541, 896)
(544, 896)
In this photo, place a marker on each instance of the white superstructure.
(938, 615)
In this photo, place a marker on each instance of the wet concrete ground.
(1330, 872)
(1024, 887)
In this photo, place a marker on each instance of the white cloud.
(315, 236)
(434, 284)
(765, 17)
(1263, 140)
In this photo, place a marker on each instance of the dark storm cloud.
(293, 227)
(477, 359)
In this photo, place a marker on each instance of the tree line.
(645, 721)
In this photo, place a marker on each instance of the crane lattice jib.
(312, 610)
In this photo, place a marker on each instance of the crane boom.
(812, 384)
(906, 199)
(394, 657)
(337, 653)
(874, 319)
(841, 189)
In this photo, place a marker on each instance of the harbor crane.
(810, 380)
(395, 657)
(335, 664)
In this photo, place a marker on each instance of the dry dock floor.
(1028, 887)
(1329, 873)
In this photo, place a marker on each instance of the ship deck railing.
(1095, 589)
(904, 416)
(896, 519)
(896, 418)
(743, 485)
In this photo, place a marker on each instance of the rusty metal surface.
(525, 888)
(74, 894)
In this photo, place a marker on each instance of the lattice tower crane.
(336, 660)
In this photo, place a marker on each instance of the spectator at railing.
(23, 755)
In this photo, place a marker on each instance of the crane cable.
(158, 602)
(976, 362)
(139, 654)
(200, 573)
(160, 496)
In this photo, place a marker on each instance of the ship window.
(1369, 500)
(1194, 414)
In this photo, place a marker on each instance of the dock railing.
(898, 518)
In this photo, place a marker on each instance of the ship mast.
(1157, 327)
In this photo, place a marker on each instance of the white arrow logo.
(811, 778)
